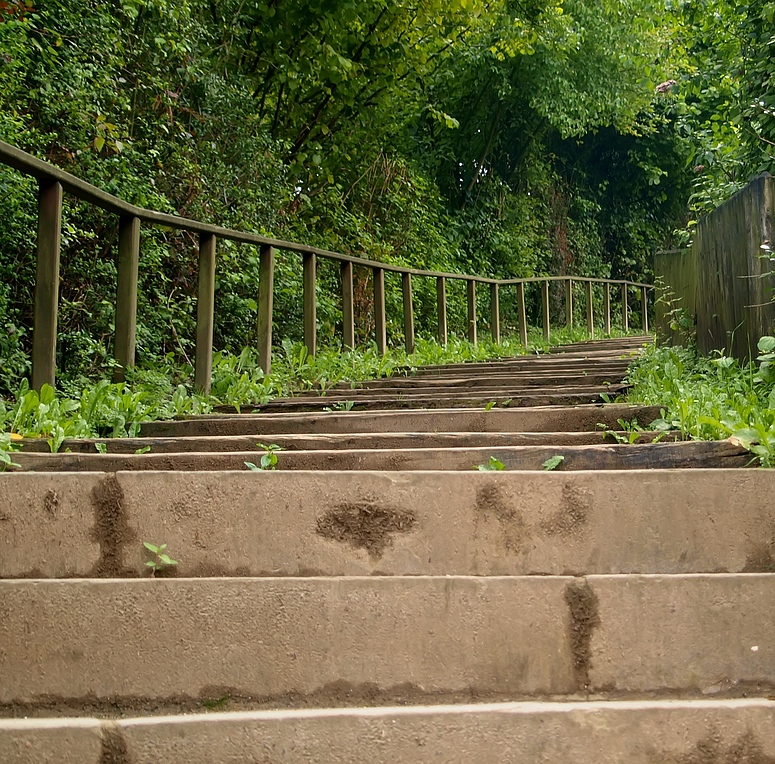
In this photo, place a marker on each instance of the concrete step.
(597, 732)
(498, 419)
(692, 454)
(525, 382)
(505, 396)
(388, 523)
(457, 377)
(357, 440)
(266, 638)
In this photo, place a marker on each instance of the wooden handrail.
(53, 181)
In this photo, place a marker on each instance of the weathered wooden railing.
(54, 181)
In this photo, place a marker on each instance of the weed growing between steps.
(85, 409)
(711, 398)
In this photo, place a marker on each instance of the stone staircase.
(376, 599)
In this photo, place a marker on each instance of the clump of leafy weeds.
(711, 398)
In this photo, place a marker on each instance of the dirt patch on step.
(584, 619)
(572, 516)
(514, 529)
(759, 560)
(111, 529)
(365, 525)
(747, 749)
(114, 749)
(51, 503)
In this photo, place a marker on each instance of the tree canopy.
(505, 137)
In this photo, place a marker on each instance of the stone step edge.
(523, 733)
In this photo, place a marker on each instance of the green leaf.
(252, 467)
(151, 547)
(493, 465)
(554, 462)
(766, 344)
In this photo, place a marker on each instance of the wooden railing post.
(406, 290)
(522, 313)
(441, 302)
(495, 313)
(607, 307)
(380, 322)
(569, 303)
(545, 308)
(471, 299)
(265, 307)
(310, 302)
(625, 314)
(348, 306)
(590, 309)
(126, 295)
(205, 311)
(644, 307)
(44, 335)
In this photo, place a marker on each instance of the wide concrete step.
(495, 637)
(497, 419)
(504, 396)
(388, 523)
(693, 454)
(525, 383)
(608, 372)
(598, 732)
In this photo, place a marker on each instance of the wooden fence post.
(44, 334)
(265, 307)
(406, 290)
(644, 307)
(522, 313)
(545, 308)
(380, 322)
(126, 295)
(471, 299)
(625, 315)
(607, 307)
(441, 302)
(495, 313)
(310, 302)
(205, 311)
(569, 303)
(590, 309)
(348, 306)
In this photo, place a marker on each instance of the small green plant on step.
(7, 447)
(493, 465)
(340, 406)
(160, 559)
(268, 460)
(553, 462)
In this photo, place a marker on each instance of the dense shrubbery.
(462, 135)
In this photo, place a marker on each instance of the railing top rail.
(44, 171)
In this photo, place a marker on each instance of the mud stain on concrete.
(366, 524)
(759, 559)
(572, 516)
(514, 529)
(584, 619)
(51, 503)
(111, 529)
(747, 749)
(114, 749)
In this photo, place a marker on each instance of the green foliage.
(502, 138)
(710, 398)
(268, 459)
(492, 465)
(160, 560)
(553, 462)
